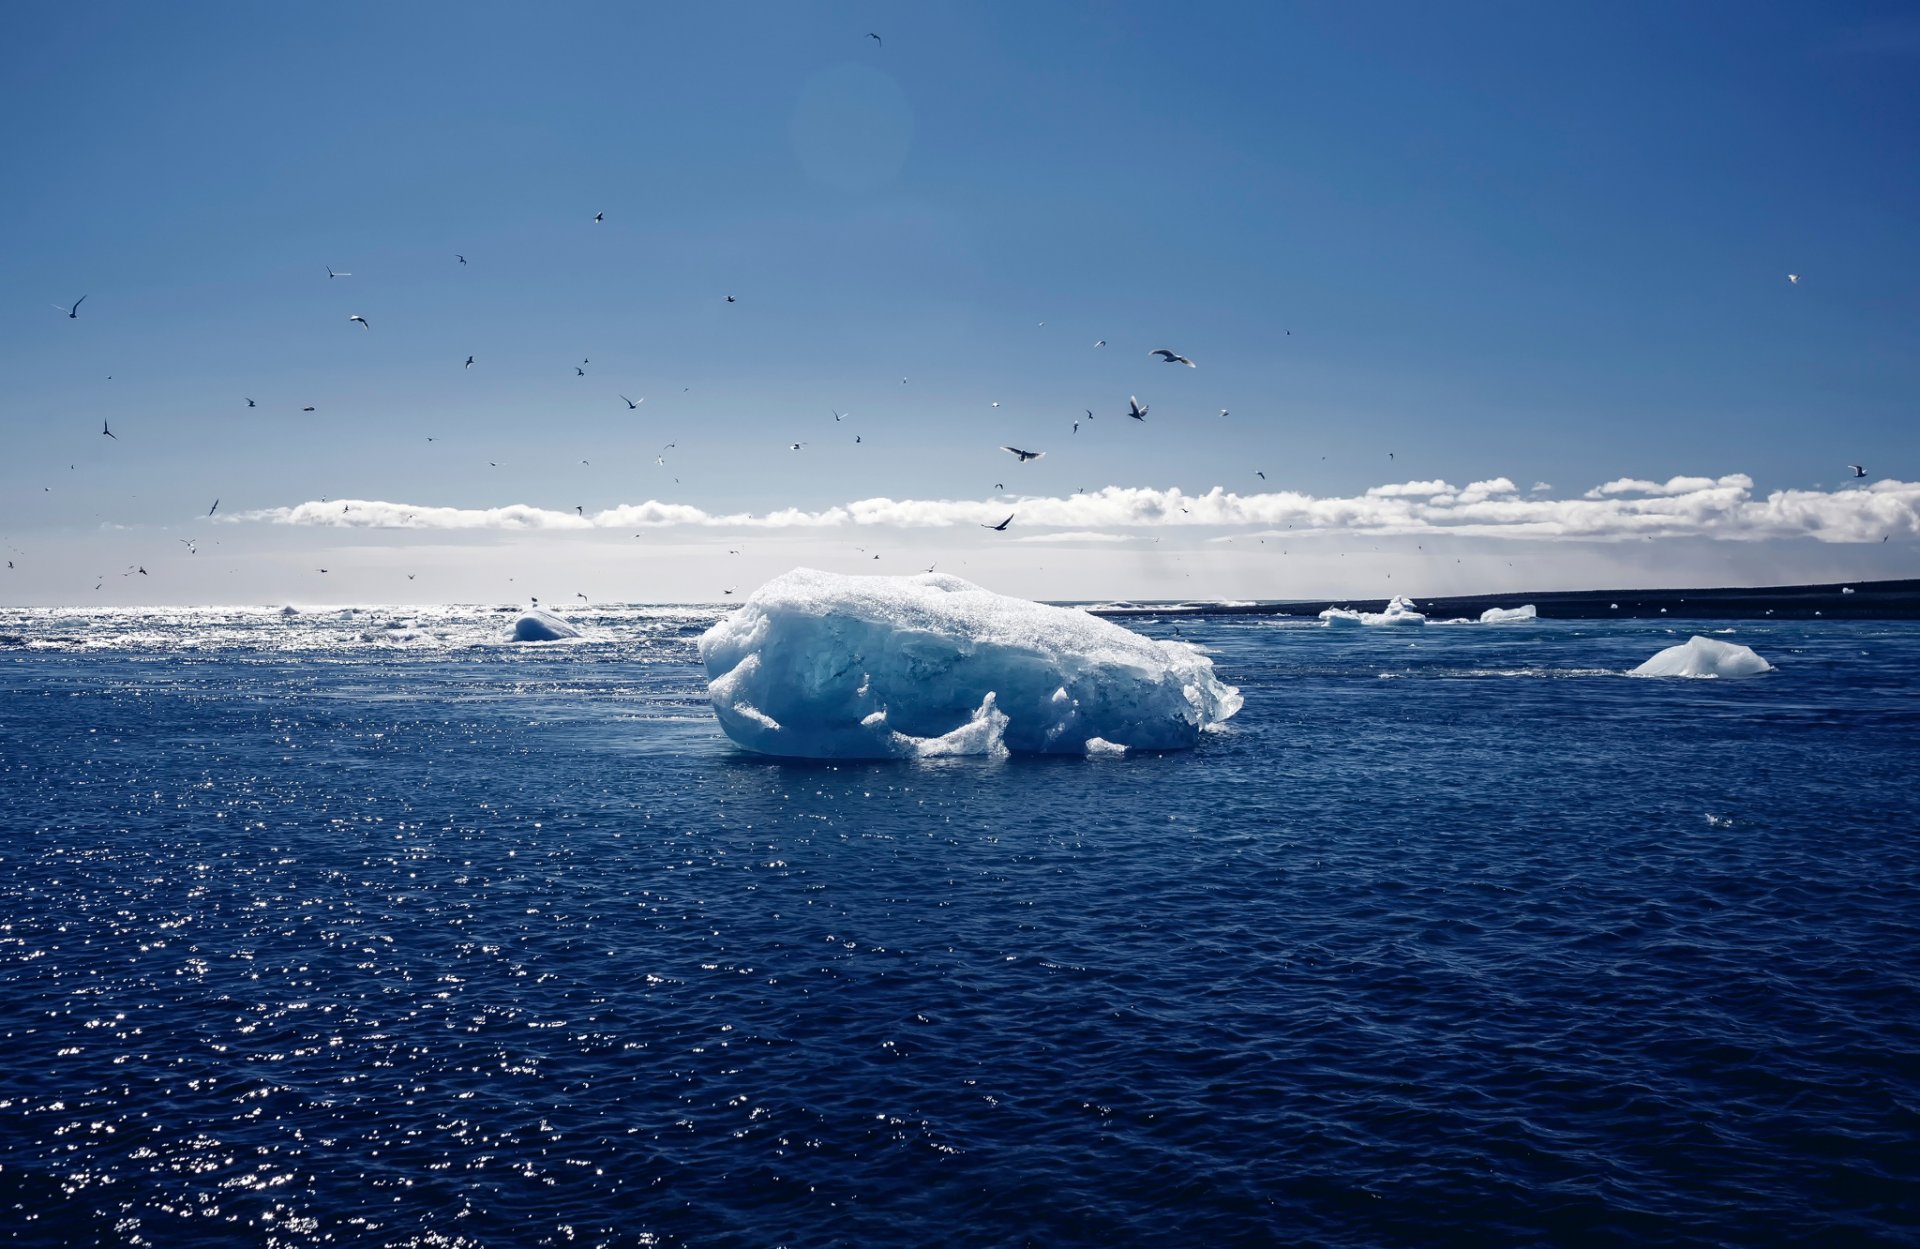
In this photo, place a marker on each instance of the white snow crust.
(1704, 657)
(817, 665)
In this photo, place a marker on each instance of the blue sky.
(1541, 243)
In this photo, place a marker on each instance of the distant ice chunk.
(1704, 657)
(1400, 611)
(537, 625)
(289, 610)
(1503, 615)
(1101, 748)
(817, 665)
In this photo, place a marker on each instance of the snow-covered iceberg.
(1400, 611)
(821, 666)
(1503, 615)
(1704, 657)
(537, 625)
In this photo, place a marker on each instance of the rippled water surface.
(371, 929)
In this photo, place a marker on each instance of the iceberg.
(1400, 611)
(817, 665)
(537, 625)
(1502, 615)
(1704, 657)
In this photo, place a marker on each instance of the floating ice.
(1400, 611)
(1503, 615)
(821, 666)
(1704, 657)
(542, 626)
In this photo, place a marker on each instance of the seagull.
(1257, 473)
(109, 433)
(730, 299)
(461, 259)
(1101, 343)
(214, 508)
(856, 439)
(1793, 279)
(877, 39)
(1858, 471)
(1136, 409)
(332, 274)
(250, 402)
(1076, 427)
(188, 543)
(468, 364)
(1001, 527)
(73, 313)
(631, 405)
(996, 403)
(795, 446)
(1024, 455)
(1223, 411)
(580, 510)
(362, 320)
(307, 409)
(578, 371)
(599, 217)
(1171, 357)
(837, 417)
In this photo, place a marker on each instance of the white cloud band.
(1723, 507)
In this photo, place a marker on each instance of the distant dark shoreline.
(1838, 600)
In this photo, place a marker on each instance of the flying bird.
(730, 299)
(996, 403)
(1257, 473)
(309, 408)
(795, 446)
(461, 259)
(73, 313)
(1101, 343)
(250, 403)
(837, 417)
(1171, 357)
(1136, 409)
(468, 364)
(109, 433)
(1024, 455)
(1858, 470)
(577, 508)
(877, 39)
(214, 508)
(1001, 527)
(578, 371)
(332, 274)
(1793, 278)
(631, 405)
(1223, 411)
(362, 320)
(598, 217)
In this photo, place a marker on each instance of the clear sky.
(1542, 248)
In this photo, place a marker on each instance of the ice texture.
(816, 665)
(1704, 657)
(542, 626)
(1400, 611)
(1503, 615)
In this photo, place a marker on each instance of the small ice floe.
(1505, 615)
(1400, 611)
(1704, 657)
(1719, 821)
(1101, 748)
(1846, 589)
(821, 666)
(538, 625)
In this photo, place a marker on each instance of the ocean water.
(372, 929)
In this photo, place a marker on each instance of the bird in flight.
(578, 371)
(1023, 455)
(1171, 357)
(73, 313)
(996, 403)
(1223, 411)
(1076, 427)
(1793, 279)
(730, 299)
(1101, 343)
(599, 217)
(214, 508)
(837, 417)
(308, 408)
(250, 403)
(461, 259)
(332, 274)
(1136, 409)
(580, 510)
(1257, 473)
(468, 364)
(1858, 470)
(795, 446)
(1001, 527)
(631, 405)
(109, 433)
(877, 39)
(362, 320)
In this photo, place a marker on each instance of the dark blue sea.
(372, 929)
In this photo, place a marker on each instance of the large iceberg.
(542, 626)
(1704, 657)
(1400, 611)
(816, 665)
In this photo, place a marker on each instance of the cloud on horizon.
(1722, 508)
